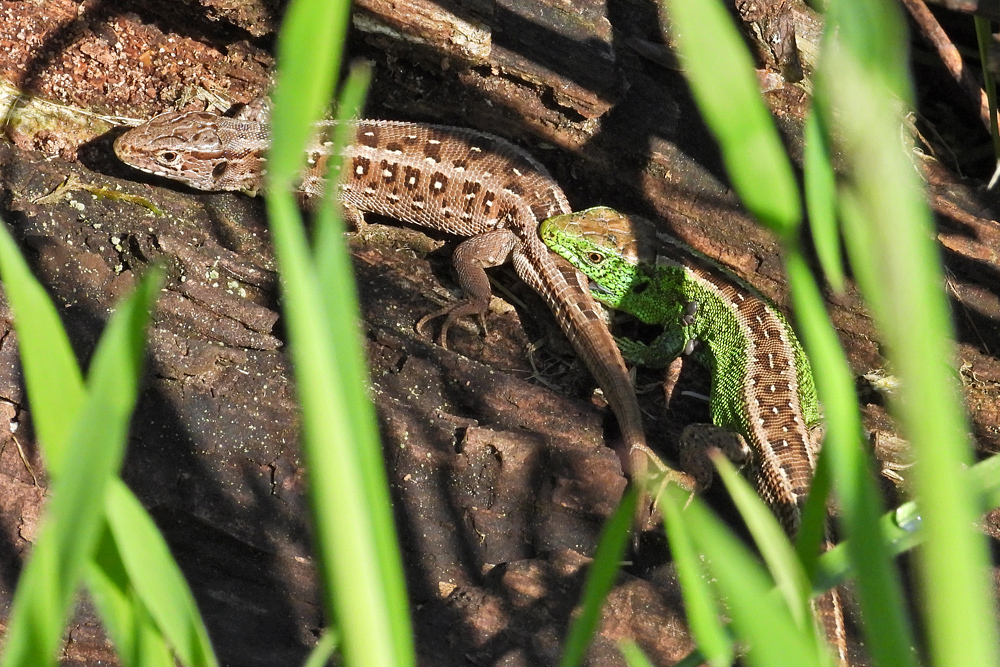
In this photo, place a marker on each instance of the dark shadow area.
(498, 484)
(211, 458)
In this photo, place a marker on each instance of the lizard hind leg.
(354, 219)
(695, 442)
(471, 259)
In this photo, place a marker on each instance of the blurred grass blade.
(57, 375)
(759, 618)
(814, 530)
(365, 593)
(336, 278)
(633, 654)
(880, 591)
(985, 475)
(70, 529)
(720, 72)
(138, 641)
(774, 546)
(864, 78)
(900, 530)
(703, 614)
(52, 377)
(354, 531)
(820, 187)
(902, 527)
(984, 38)
(324, 650)
(600, 578)
(156, 578)
(329, 227)
(335, 275)
(309, 47)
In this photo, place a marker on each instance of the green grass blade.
(759, 618)
(52, 377)
(633, 654)
(324, 650)
(985, 475)
(329, 226)
(889, 234)
(54, 384)
(156, 578)
(600, 578)
(363, 596)
(336, 276)
(720, 72)
(774, 546)
(984, 38)
(880, 591)
(70, 529)
(354, 531)
(820, 186)
(815, 520)
(704, 615)
(309, 47)
(138, 642)
(900, 530)
(902, 527)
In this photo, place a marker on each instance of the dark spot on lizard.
(438, 184)
(389, 170)
(469, 191)
(488, 199)
(362, 165)
(540, 210)
(515, 189)
(480, 147)
(432, 150)
(411, 178)
(506, 215)
(369, 135)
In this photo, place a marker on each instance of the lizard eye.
(169, 157)
(595, 257)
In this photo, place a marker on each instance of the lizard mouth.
(598, 289)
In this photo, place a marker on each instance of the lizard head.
(192, 148)
(604, 245)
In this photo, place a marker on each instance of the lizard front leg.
(678, 338)
(471, 259)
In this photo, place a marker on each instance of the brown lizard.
(451, 179)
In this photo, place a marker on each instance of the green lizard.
(762, 386)
(762, 399)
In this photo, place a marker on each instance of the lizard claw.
(451, 314)
(651, 475)
(422, 322)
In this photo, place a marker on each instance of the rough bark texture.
(497, 460)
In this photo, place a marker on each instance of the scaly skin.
(455, 180)
(762, 385)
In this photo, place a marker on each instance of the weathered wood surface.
(499, 469)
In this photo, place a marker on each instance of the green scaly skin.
(758, 368)
(762, 385)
